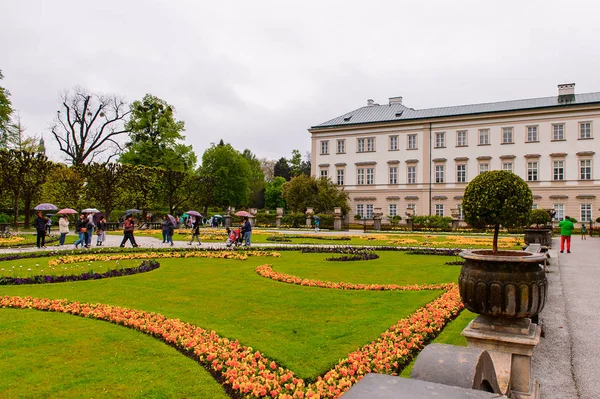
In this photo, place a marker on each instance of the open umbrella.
(90, 210)
(98, 216)
(67, 211)
(218, 216)
(172, 219)
(46, 207)
(194, 213)
(243, 214)
(132, 211)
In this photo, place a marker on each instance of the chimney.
(566, 93)
(370, 102)
(396, 100)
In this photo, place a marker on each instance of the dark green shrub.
(539, 217)
(430, 222)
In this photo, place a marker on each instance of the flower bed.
(146, 266)
(268, 272)
(249, 373)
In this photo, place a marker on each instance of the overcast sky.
(258, 74)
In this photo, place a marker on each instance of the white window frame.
(508, 135)
(413, 207)
(460, 211)
(325, 173)
(392, 209)
(393, 175)
(461, 173)
(558, 132)
(360, 210)
(484, 136)
(324, 147)
(340, 176)
(585, 213)
(370, 144)
(533, 134)
(533, 171)
(462, 138)
(559, 210)
(439, 210)
(341, 146)
(369, 211)
(585, 169)
(411, 143)
(558, 170)
(440, 140)
(585, 130)
(484, 167)
(440, 173)
(508, 166)
(370, 176)
(360, 176)
(360, 145)
(394, 140)
(411, 174)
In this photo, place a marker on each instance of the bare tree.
(89, 124)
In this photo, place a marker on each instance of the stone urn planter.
(542, 236)
(508, 284)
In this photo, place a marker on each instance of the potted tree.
(542, 232)
(507, 284)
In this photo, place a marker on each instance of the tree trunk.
(495, 244)
(16, 212)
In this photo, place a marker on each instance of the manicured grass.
(59, 355)
(29, 240)
(39, 266)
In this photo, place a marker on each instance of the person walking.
(128, 228)
(63, 229)
(164, 224)
(583, 232)
(317, 222)
(566, 229)
(80, 228)
(247, 231)
(90, 229)
(195, 231)
(170, 231)
(40, 227)
(101, 231)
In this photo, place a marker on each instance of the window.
(461, 173)
(392, 210)
(413, 207)
(507, 166)
(440, 140)
(369, 213)
(507, 135)
(484, 136)
(585, 213)
(324, 173)
(558, 132)
(461, 138)
(532, 134)
(484, 167)
(585, 168)
(460, 211)
(532, 171)
(534, 206)
(370, 144)
(585, 130)
(341, 146)
(439, 209)
(558, 170)
(370, 176)
(393, 175)
(340, 177)
(412, 142)
(439, 173)
(360, 210)
(393, 143)
(411, 174)
(360, 176)
(324, 147)
(560, 212)
(360, 145)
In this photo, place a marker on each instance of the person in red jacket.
(128, 227)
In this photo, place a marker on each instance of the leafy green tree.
(177, 188)
(105, 185)
(141, 189)
(298, 166)
(282, 168)
(64, 187)
(539, 217)
(256, 181)
(231, 173)
(87, 127)
(497, 198)
(155, 137)
(5, 108)
(274, 193)
(321, 194)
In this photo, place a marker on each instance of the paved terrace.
(567, 360)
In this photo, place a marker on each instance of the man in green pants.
(566, 229)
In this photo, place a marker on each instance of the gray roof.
(399, 112)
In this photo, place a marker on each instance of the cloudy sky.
(258, 74)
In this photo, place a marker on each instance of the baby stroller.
(234, 237)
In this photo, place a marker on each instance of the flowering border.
(268, 272)
(146, 266)
(251, 374)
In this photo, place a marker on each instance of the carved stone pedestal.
(510, 343)
(278, 217)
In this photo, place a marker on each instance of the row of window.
(366, 211)
(367, 144)
(366, 175)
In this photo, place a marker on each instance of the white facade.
(426, 161)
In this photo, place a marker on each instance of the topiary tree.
(539, 217)
(497, 198)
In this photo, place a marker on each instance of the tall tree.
(231, 172)
(268, 166)
(274, 193)
(14, 137)
(5, 107)
(155, 137)
(299, 166)
(176, 188)
(64, 187)
(256, 181)
(105, 183)
(141, 189)
(318, 193)
(282, 168)
(87, 127)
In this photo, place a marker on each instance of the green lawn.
(29, 240)
(302, 328)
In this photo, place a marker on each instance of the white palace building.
(391, 157)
